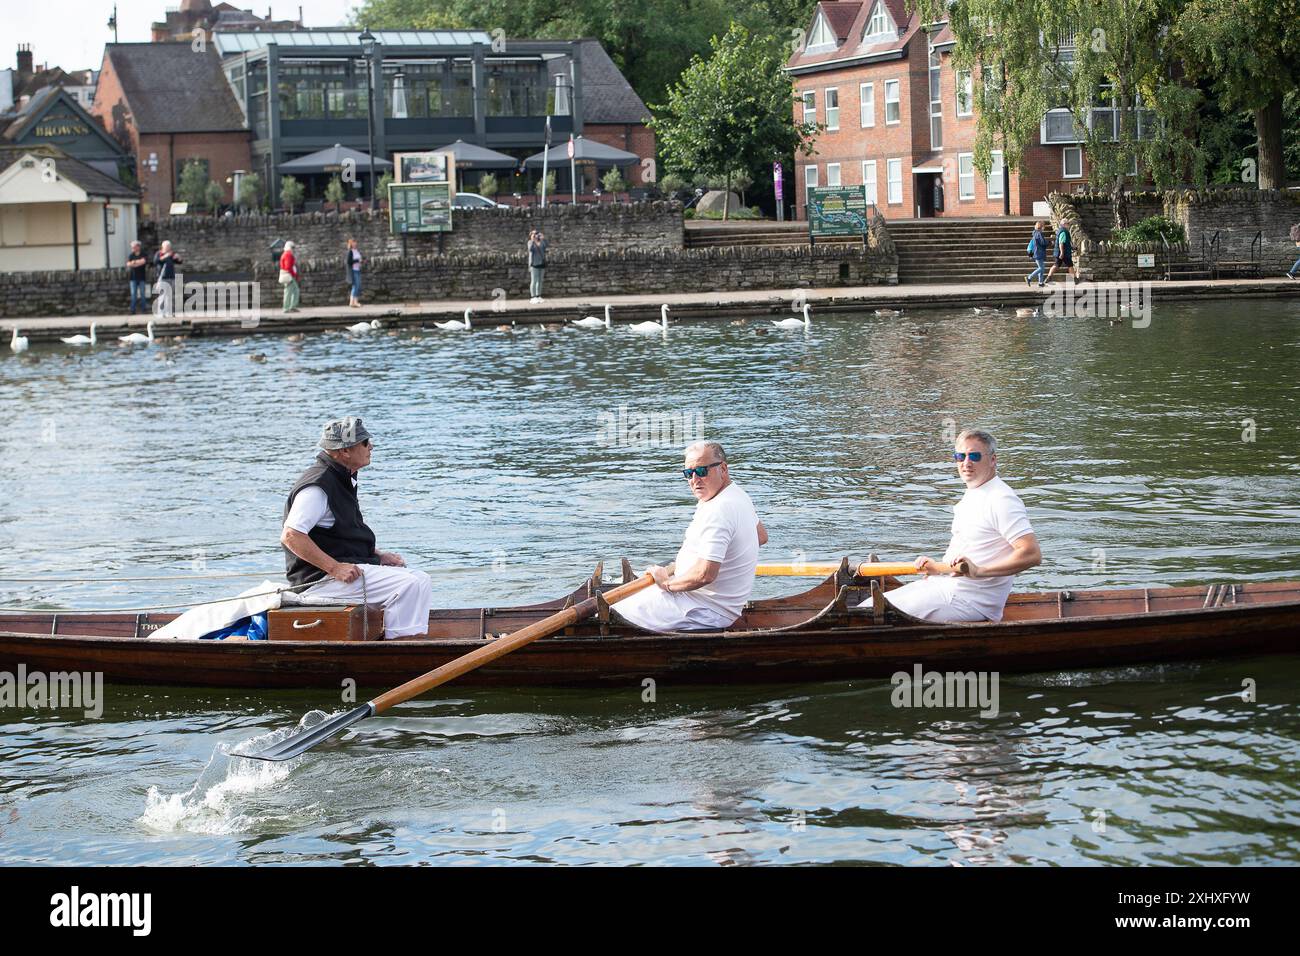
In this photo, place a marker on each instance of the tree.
(334, 193)
(612, 182)
(488, 185)
(1250, 50)
(381, 187)
(550, 184)
(1104, 62)
(193, 185)
(734, 110)
(291, 192)
(213, 194)
(250, 191)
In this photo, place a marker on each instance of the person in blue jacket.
(1037, 249)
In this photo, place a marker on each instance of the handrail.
(1169, 255)
(1256, 256)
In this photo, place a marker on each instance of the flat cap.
(343, 433)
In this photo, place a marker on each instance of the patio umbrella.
(332, 160)
(584, 150)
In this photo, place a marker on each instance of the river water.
(508, 465)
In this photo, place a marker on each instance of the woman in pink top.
(289, 277)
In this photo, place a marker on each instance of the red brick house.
(901, 120)
(168, 104)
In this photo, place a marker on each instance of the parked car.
(474, 201)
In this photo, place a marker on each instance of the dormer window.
(822, 38)
(880, 26)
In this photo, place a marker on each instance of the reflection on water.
(491, 469)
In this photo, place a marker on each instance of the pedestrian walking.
(352, 263)
(165, 289)
(1037, 250)
(536, 264)
(1064, 253)
(137, 264)
(1294, 271)
(289, 278)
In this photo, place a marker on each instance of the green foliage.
(672, 183)
(488, 185)
(213, 194)
(550, 184)
(193, 187)
(250, 191)
(381, 187)
(1151, 229)
(613, 181)
(734, 111)
(334, 191)
(291, 192)
(752, 212)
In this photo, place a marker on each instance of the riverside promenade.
(683, 307)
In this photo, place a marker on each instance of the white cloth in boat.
(207, 618)
(405, 594)
(724, 529)
(985, 523)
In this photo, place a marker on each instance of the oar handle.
(869, 569)
(504, 645)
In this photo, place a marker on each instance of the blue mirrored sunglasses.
(963, 455)
(700, 471)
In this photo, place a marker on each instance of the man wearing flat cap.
(328, 545)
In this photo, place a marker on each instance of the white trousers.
(658, 610)
(405, 594)
(933, 598)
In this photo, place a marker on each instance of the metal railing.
(1210, 251)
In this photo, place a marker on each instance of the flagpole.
(546, 154)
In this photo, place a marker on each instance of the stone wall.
(232, 245)
(88, 292)
(1107, 262)
(1237, 215)
(1097, 216)
(592, 275)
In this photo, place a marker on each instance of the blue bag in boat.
(253, 628)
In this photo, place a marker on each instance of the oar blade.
(297, 744)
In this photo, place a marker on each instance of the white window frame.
(822, 38)
(832, 112)
(897, 101)
(968, 160)
(869, 185)
(805, 95)
(867, 104)
(966, 87)
(810, 181)
(880, 24)
(1065, 163)
(995, 177)
(833, 174)
(893, 166)
(934, 85)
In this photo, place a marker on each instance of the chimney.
(25, 58)
(300, 15)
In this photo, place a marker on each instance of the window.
(869, 181)
(894, 169)
(965, 94)
(879, 25)
(1058, 127)
(822, 38)
(893, 113)
(936, 103)
(809, 182)
(867, 99)
(994, 182)
(832, 108)
(810, 107)
(965, 176)
(832, 174)
(1073, 161)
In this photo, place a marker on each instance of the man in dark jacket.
(328, 545)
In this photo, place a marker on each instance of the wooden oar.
(873, 569)
(301, 743)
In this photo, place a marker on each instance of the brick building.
(168, 104)
(901, 120)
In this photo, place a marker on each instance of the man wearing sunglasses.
(328, 545)
(707, 586)
(992, 541)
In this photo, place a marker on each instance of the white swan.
(592, 322)
(90, 339)
(804, 323)
(19, 342)
(135, 338)
(883, 313)
(453, 325)
(652, 328)
(363, 328)
(1026, 313)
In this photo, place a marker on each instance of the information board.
(419, 207)
(837, 211)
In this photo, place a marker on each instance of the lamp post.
(368, 53)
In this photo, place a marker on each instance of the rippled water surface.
(501, 466)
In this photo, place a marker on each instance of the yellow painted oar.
(871, 569)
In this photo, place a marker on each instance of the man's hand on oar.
(301, 743)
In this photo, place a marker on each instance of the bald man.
(707, 586)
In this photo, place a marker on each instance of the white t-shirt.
(984, 524)
(724, 529)
(310, 508)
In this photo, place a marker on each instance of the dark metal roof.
(607, 97)
(171, 88)
(91, 180)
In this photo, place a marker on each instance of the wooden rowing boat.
(819, 634)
